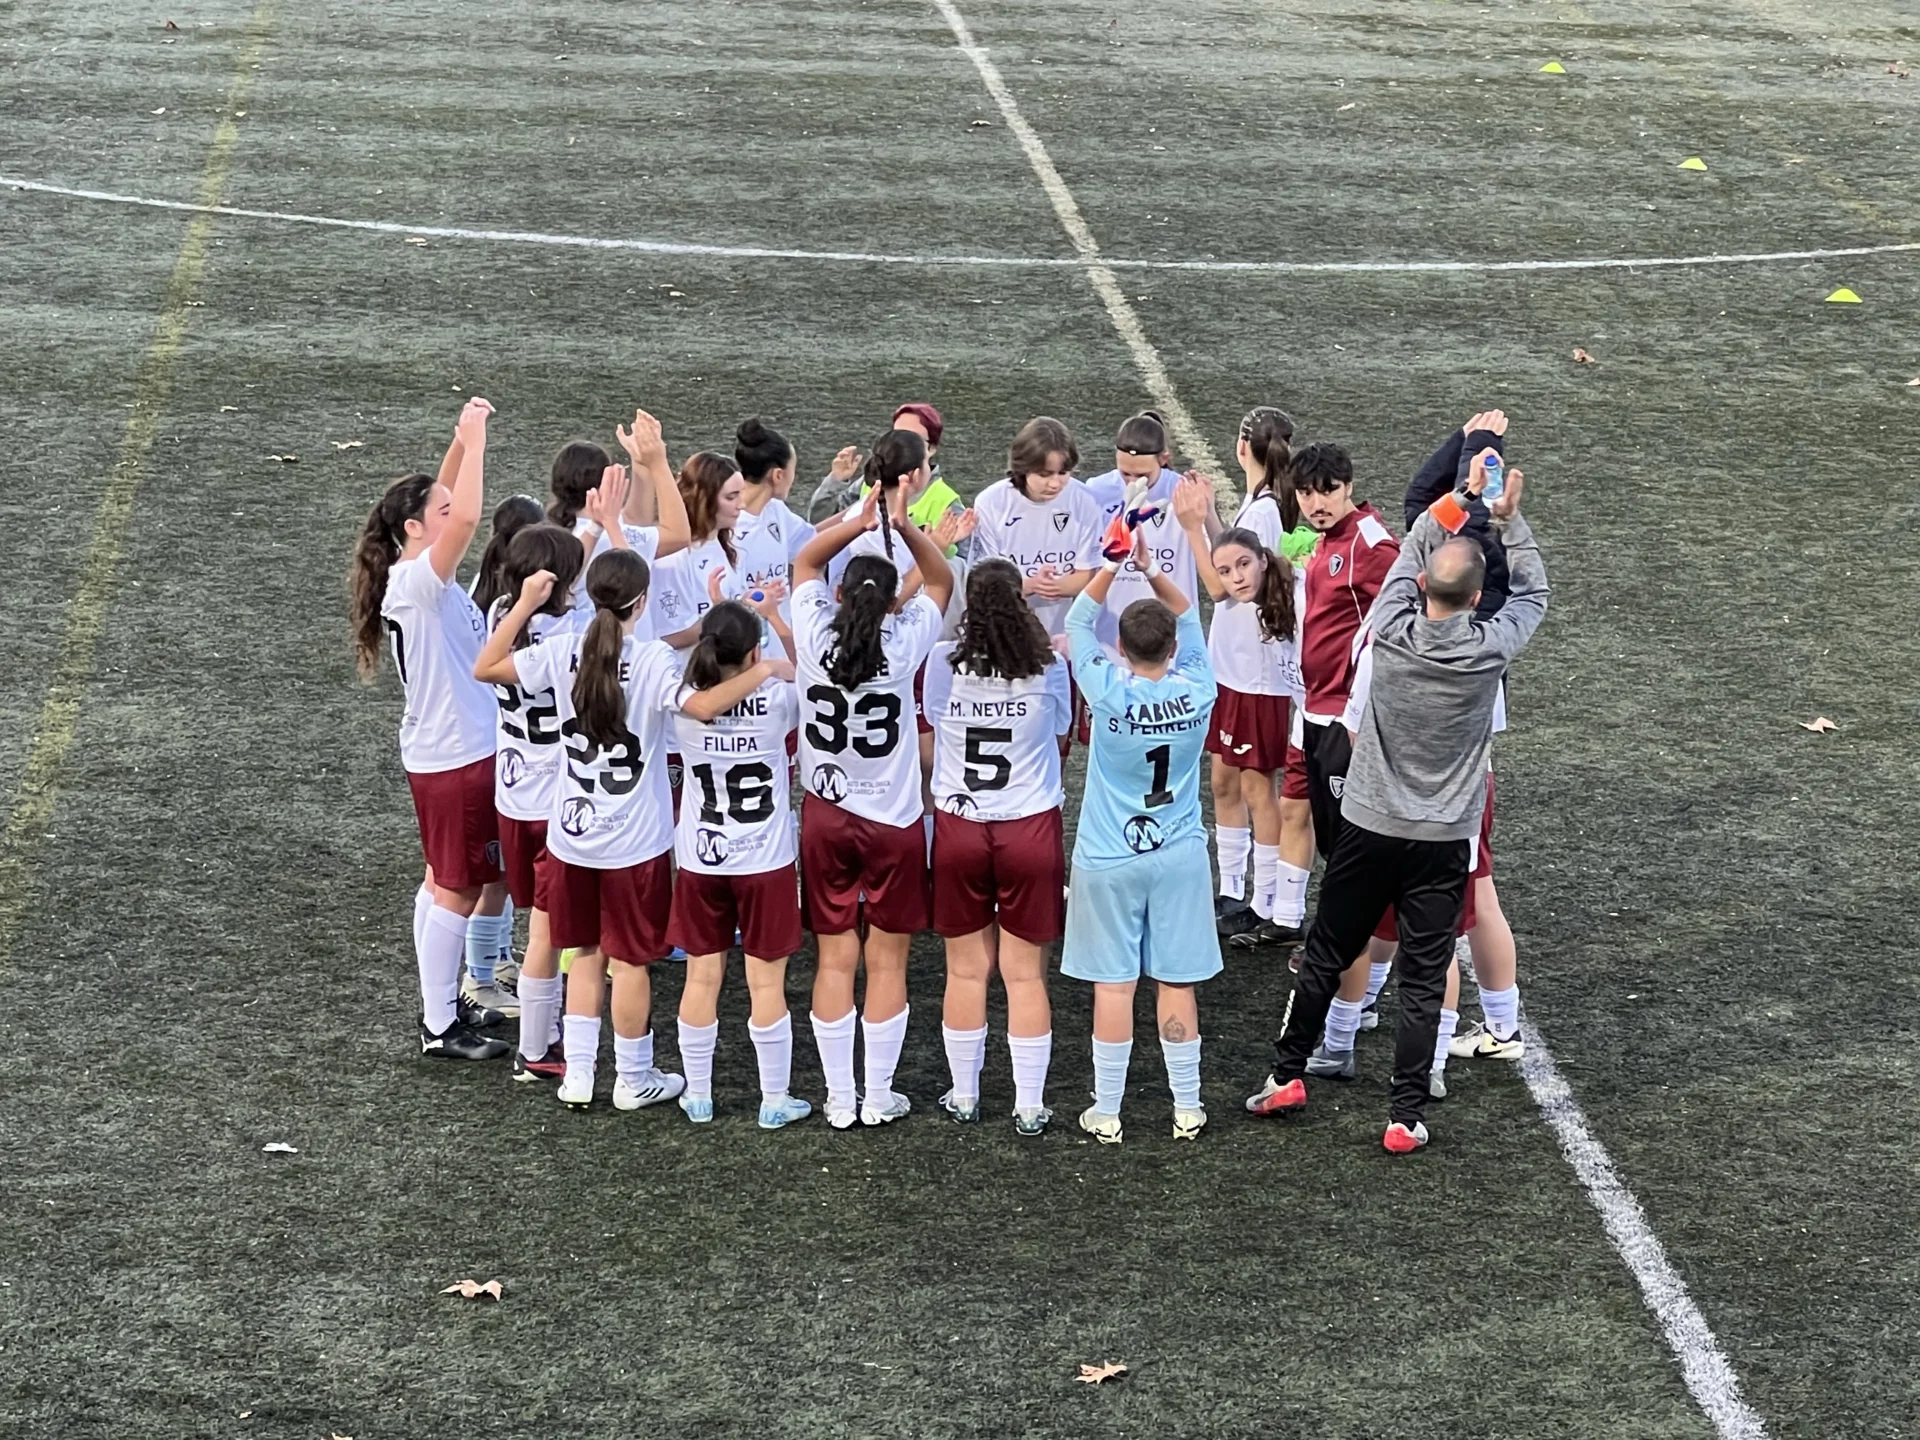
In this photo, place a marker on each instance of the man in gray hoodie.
(1415, 790)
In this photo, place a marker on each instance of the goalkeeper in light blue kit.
(1141, 900)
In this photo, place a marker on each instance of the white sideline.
(1026, 262)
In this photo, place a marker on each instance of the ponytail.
(999, 634)
(896, 455)
(514, 514)
(381, 540)
(866, 595)
(1142, 434)
(729, 633)
(1273, 601)
(1268, 433)
(617, 585)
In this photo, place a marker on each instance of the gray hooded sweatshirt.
(1420, 754)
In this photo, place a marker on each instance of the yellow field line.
(59, 716)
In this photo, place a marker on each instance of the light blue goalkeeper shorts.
(1151, 916)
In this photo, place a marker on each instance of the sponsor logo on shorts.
(829, 782)
(513, 768)
(1142, 833)
(710, 847)
(576, 816)
(1060, 520)
(493, 854)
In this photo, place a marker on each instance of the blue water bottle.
(1496, 479)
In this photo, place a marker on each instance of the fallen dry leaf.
(1348, 106)
(171, 26)
(285, 459)
(1914, 384)
(1099, 1374)
(980, 124)
(416, 239)
(473, 1289)
(226, 409)
(1581, 357)
(347, 444)
(1819, 726)
(1894, 67)
(278, 1147)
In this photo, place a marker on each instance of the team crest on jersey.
(962, 805)
(676, 772)
(830, 782)
(1060, 519)
(1160, 517)
(1338, 785)
(710, 847)
(1334, 563)
(576, 816)
(773, 528)
(513, 768)
(1142, 833)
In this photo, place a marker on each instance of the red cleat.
(1277, 1099)
(1399, 1140)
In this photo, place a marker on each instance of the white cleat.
(1187, 1124)
(1104, 1128)
(576, 1089)
(496, 997)
(1480, 1043)
(890, 1107)
(843, 1111)
(653, 1088)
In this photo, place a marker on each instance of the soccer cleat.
(962, 1113)
(1187, 1124)
(1104, 1128)
(1225, 905)
(843, 1116)
(1231, 928)
(459, 1042)
(890, 1107)
(576, 1089)
(1370, 1017)
(1293, 960)
(698, 1108)
(474, 1015)
(1325, 1064)
(506, 974)
(653, 1087)
(777, 1114)
(1032, 1121)
(496, 998)
(1265, 932)
(1480, 1043)
(1437, 1085)
(1277, 1099)
(550, 1064)
(1399, 1140)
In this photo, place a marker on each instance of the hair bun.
(752, 431)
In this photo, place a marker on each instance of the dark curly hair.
(999, 634)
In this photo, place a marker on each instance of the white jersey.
(996, 751)
(612, 805)
(767, 544)
(868, 542)
(526, 771)
(736, 811)
(680, 595)
(1166, 541)
(1243, 658)
(435, 632)
(644, 541)
(1056, 536)
(860, 750)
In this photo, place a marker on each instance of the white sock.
(1230, 845)
(1110, 1061)
(422, 903)
(697, 1044)
(1290, 900)
(1183, 1071)
(884, 1039)
(1266, 879)
(773, 1048)
(1449, 1021)
(1502, 1009)
(835, 1040)
(443, 937)
(1377, 972)
(483, 946)
(966, 1053)
(632, 1057)
(582, 1044)
(1343, 1023)
(539, 1002)
(1031, 1056)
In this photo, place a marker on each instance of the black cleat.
(1237, 923)
(549, 1066)
(475, 1016)
(460, 1042)
(1225, 905)
(1264, 932)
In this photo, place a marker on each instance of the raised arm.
(814, 557)
(1192, 504)
(469, 487)
(704, 705)
(657, 500)
(1526, 606)
(495, 665)
(936, 576)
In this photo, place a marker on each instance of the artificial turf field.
(210, 858)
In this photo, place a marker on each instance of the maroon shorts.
(523, 855)
(921, 724)
(843, 856)
(1082, 715)
(1388, 928)
(1249, 732)
(763, 908)
(1293, 784)
(622, 912)
(1019, 866)
(459, 828)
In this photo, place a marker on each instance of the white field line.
(1028, 262)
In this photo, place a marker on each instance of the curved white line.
(864, 257)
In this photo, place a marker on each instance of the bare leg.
(1023, 969)
(700, 999)
(833, 976)
(969, 963)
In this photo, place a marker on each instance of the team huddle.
(603, 731)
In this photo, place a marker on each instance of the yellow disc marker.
(1843, 296)
(1553, 67)
(1693, 162)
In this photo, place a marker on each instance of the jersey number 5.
(985, 770)
(878, 713)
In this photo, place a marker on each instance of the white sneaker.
(1437, 1084)
(1480, 1043)
(1104, 1128)
(1187, 1124)
(843, 1114)
(653, 1088)
(576, 1088)
(506, 974)
(890, 1106)
(492, 997)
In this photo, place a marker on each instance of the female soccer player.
(735, 847)
(1140, 477)
(404, 587)
(861, 840)
(611, 827)
(999, 699)
(767, 533)
(654, 519)
(712, 486)
(1042, 521)
(1252, 646)
(1138, 904)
